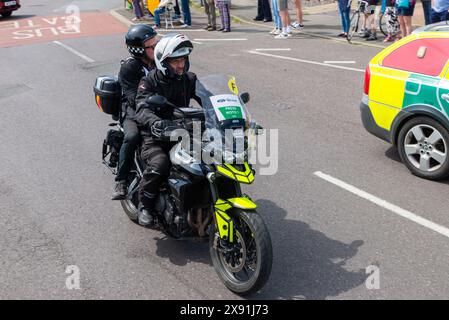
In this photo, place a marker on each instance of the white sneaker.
(296, 25)
(185, 26)
(273, 31)
(282, 36)
(278, 31)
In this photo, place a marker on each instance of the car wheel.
(423, 147)
(7, 14)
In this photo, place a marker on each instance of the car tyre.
(423, 145)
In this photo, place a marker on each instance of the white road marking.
(384, 204)
(340, 62)
(79, 54)
(306, 61)
(223, 39)
(278, 49)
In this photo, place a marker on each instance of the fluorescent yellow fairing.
(231, 172)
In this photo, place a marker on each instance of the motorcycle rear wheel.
(245, 265)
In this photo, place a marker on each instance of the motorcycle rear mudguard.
(225, 223)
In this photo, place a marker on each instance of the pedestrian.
(263, 11)
(187, 20)
(285, 18)
(162, 7)
(137, 10)
(277, 18)
(223, 7)
(344, 13)
(177, 14)
(427, 10)
(392, 23)
(405, 9)
(298, 23)
(370, 21)
(440, 10)
(209, 8)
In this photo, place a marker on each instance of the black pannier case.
(108, 94)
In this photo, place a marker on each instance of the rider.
(140, 40)
(171, 80)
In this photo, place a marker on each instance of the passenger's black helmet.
(136, 37)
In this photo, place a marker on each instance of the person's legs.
(402, 24)
(157, 168)
(426, 7)
(277, 17)
(220, 6)
(266, 10)
(346, 17)
(341, 9)
(212, 17)
(157, 18)
(298, 11)
(186, 12)
(177, 10)
(126, 157)
(227, 17)
(408, 25)
(259, 16)
(137, 9)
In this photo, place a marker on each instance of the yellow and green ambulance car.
(406, 100)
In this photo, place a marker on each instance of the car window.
(425, 56)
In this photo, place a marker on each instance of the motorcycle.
(202, 198)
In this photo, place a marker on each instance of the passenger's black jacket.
(176, 91)
(132, 70)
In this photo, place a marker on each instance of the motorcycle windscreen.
(226, 117)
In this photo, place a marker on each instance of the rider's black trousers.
(155, 155)
(126, 156)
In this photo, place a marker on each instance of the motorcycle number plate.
(10, 3)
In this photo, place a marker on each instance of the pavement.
(321, 19)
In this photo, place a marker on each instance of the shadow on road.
(307, 264)
(393, 154)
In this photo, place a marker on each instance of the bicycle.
(355, 18)
(384, 12)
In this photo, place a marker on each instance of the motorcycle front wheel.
(244, 266)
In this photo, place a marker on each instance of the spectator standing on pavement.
(223, 7)
(440, 10)
(209, 8)
(298, 23)
(285, 18)
(277, 18)
(344, 13)
(263, 11)
(427, 10)
(405, 9)
(185, 6)
(370, 21)
(392, 22)
(137, 10)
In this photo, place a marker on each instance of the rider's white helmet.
(172, 45)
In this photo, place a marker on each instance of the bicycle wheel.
(354, 25)
(383, 24)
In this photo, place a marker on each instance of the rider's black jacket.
(177, 91)
(132, 70)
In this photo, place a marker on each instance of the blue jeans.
(344, 13)
(277, 17)
(157, 19)
(439, 16)
(427, 9)
(186, 12)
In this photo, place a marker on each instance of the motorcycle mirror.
(245, 97)
(157, 100)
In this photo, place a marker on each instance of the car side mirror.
(245, 97)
